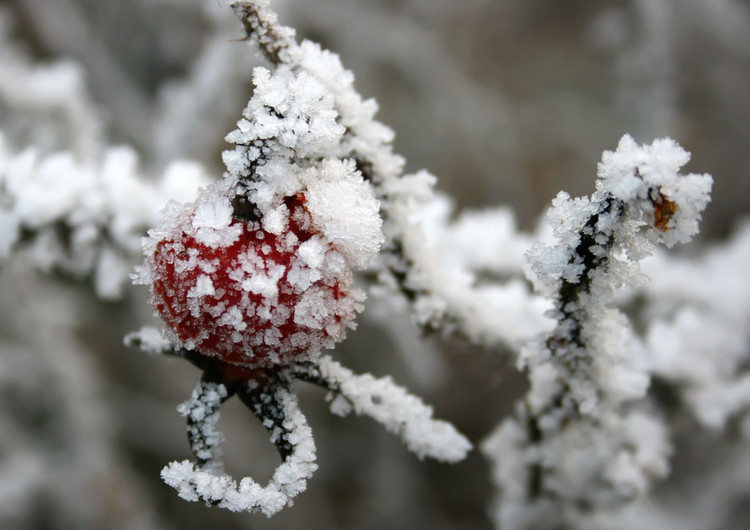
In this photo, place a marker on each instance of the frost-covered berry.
(251, 292)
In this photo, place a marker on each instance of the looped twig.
(278, 410)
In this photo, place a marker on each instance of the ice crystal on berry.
(234, 289)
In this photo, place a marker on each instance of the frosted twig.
(579, 431)
(389, 404)
(446, 293)
(280, 413)
(202, 413)
(267, 395)
(69, 214)
(262, 29)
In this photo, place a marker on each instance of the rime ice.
(400, 412)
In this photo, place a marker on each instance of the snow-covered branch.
(279, 411)
(579, 432)
(84, 217)
(381, 399)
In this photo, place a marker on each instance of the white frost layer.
(633, 172)
(150, 340)
(700, 327)
(446, 259)
(607, 462)
(343, 208)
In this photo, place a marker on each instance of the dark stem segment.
(593, 252)
(535, 479)
(264, 402)
(262, 28)
(570, 292)
(257, 388)
(310, 373)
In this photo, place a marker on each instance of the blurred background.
(506, 101)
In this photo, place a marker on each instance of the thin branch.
(262, 29)
(400, 412)
(202, 413)
(279, 411)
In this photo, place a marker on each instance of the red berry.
(259, 298)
